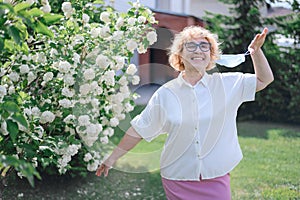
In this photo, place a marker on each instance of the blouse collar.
(203, 80)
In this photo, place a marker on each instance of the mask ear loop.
(247, 53)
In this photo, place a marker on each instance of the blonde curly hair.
(188, 33)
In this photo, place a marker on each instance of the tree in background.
(284, 94)
(279, 102)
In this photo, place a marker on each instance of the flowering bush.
(68, 92)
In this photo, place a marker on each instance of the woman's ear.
(180, 59)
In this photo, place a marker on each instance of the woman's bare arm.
(130, 140)
(262, 68)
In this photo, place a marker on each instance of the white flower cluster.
(132, 38)
(66, 155)
(3, 92)
(89, 132)
(67, 9)
(47, 117)
(93, 160)
(3, 128)
(46, 8)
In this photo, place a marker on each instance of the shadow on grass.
(50, 187)
(118, 185)
(265, 130)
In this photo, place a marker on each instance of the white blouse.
(200, 121)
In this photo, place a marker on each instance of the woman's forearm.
(262, 69)
(130, 140)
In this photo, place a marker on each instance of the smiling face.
(195, 55)
(179, 58)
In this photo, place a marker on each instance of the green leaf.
(6, 6)
(52, 18)
(28, 20)
(98, 2)
(9, 45)
(10, 106)
(5, 114)
(21, 6)
(26, 168)
(4, 171)
(22, 30)
(42, 28)
(25, 48)
(15, 34)
(13, 129)
(141, 9)
(46, 162)
(35, 12)
(1, 43)
(24, 95)
(29, 150)
(3, 19)
(20, 119)
(130, 13)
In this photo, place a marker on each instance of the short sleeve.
(149, 124)
(249, 87)
(239, 86)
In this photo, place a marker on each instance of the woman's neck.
(192, 77)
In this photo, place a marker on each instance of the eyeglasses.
(192, 46)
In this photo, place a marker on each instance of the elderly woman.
(198, 112)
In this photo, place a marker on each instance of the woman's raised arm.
(262, 68)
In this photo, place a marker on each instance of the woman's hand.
(102, 169)
(258, 41)
(129, 140)
(105, 166)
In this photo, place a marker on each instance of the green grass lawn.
(270, 170)
(271, 165)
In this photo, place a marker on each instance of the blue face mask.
(232, 60)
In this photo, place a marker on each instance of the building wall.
(196, 8)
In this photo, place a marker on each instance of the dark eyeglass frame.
(197, 45)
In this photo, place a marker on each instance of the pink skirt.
(209, 189)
